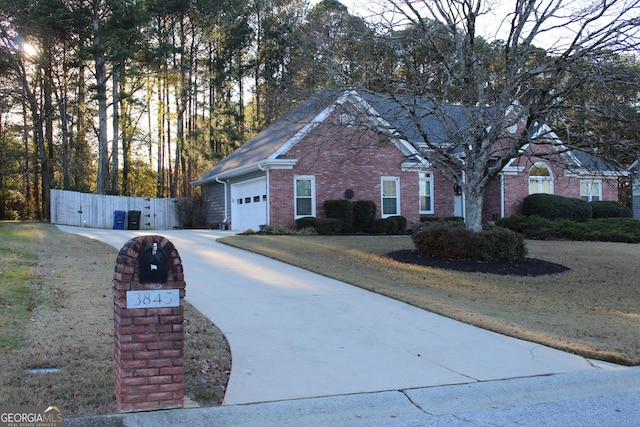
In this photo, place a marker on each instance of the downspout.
(226, 198)
(266, 172)
(501, 196)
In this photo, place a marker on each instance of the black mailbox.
(153, 265)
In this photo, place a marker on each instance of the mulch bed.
(528, 267)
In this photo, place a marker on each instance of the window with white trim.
(305, 196)
(590, 190)
(540, 179)
(390, 194)
(425, 185)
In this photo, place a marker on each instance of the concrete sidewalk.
(296, 335)
(583, 399)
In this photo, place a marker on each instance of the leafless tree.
(506, 66)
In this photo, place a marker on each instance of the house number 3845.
(153, 298)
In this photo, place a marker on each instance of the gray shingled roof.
(272, 137)
(591, 162)
(442, 126)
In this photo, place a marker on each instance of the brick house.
(322, 151)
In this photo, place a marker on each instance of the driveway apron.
(295, 334)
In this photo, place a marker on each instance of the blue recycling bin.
(118, 220)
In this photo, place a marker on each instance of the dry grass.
(592, 310)
(63, 318)
(55, 306)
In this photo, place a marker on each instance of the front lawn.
(593, 309)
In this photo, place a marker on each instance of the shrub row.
(332, 226)
(625, 230)
(450, 239)
(391, 225)
(342, 210)
(364, 214)
(347, 216)
(323, 226)
(551, 206)
(356, 216)
(610, 209)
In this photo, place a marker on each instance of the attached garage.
(249, 204)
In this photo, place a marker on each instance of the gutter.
(252, 167)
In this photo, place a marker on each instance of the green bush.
(401, 223)
(437, 218)
(551, 206)
(305, 222)
(610, 209)
(450, 239)
(602, 229)
(340, 209)
(385, 226)
(329, 226)
(307, 231)
(501, 244)
(277, 230)
(364, 214)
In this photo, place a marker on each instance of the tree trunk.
(103, 149)
(80, 149)
(115, 158)
(473, 209)
(99, 58)
(47, 157)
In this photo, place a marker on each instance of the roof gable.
(270, 140)
(273, 142)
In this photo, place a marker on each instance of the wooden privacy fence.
(98, 210)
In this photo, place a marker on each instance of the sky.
(490, 25)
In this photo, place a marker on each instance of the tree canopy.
(139, 97)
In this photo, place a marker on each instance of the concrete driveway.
(295, 334)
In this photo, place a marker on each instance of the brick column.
(149, 342)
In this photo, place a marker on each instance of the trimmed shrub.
(401, 223)
(385, 226)
(450, 239)
(551, 206)
(364, 214)
(610, 209)
(340, 209)
(307, 231)
(501, 244)
(329, 226)
(277, 230)
(601, 229)
(533, 227)
(305, 222)
(437, 218)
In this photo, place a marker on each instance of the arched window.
(540, 179)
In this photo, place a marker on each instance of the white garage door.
(249, 204)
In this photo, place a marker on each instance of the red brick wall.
(492, 197)
(148, 356)
(443, 196)
(342, 158)
(351, 160)
(517, 186)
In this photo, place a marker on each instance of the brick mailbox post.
(148, 292)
